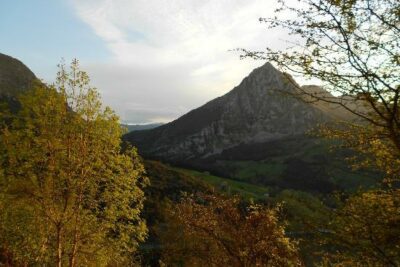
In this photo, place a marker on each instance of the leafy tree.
(219, 231)
(375, 152)
(353, 48)
(366, 230)
(68, 193)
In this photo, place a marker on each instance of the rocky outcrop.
(261, 108)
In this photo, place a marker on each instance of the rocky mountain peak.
(257, 110)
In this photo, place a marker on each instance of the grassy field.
(246, 190)
(249, 169)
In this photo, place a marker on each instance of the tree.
(353, 48)
(217, 231)
(365, 230)
(68, 193)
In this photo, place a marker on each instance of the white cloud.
(171, 56)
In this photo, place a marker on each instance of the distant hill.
(15, 78)
(140, 127)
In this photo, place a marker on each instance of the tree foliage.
(216, 231)
(68, 193)
(373, 151)
(365, 230)
(353, 48)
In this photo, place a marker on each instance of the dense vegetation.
(68, 196)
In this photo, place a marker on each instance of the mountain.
(258, 110)
(256, 133)
(140, 127)
(15, 77)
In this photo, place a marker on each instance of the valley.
(263, 162)
(261, 134)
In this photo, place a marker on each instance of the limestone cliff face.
(257, 110)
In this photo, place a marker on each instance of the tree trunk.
(59, 247)
(72, 259)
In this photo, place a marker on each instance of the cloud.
(172, 56)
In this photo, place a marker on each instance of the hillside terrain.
(255, 134)
(259, 133)
(15, 78)
(169, 184)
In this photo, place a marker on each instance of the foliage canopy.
(209, 230)
(68, 193)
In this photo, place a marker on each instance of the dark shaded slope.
(15, 78)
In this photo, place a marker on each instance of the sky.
(151, 60)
